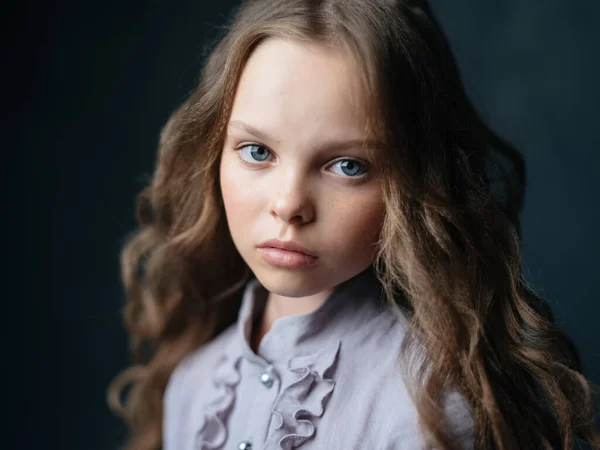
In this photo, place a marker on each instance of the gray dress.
(327, 380)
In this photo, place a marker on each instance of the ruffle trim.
(212, 431)
(303, 400)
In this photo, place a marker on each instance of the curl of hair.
(449, 251)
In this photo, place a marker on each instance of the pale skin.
(293, 168)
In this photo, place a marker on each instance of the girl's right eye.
(253, 153)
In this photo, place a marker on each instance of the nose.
(291, 201)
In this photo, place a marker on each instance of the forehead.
(302, 89)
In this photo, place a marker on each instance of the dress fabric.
(325, 380)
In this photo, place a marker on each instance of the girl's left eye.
(351, 167)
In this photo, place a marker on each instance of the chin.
(293, 283)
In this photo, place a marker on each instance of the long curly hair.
(448, 254)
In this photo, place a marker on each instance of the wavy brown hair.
(449, 252)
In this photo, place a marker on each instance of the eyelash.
(361, 177)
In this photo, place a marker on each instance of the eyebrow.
(333, 145)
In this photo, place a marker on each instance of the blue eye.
(351, 167)
(256, 154)
(348, 168)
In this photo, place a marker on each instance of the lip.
(286, 259)
(287, 245)
(286, 254)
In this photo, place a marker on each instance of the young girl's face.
(292, 169)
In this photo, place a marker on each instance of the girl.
(329, 253)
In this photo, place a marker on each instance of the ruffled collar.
(306, 345)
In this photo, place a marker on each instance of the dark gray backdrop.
(88, 86)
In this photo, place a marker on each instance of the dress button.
(245, 445)
(266, 380)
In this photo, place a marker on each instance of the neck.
(278, 306)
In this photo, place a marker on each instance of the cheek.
(241, 203)
(233, 190)
(361, 221)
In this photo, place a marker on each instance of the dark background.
(87, 87)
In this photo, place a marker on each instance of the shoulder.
(189, 378)
(198, 361)
(201, 357)
(370, 370)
